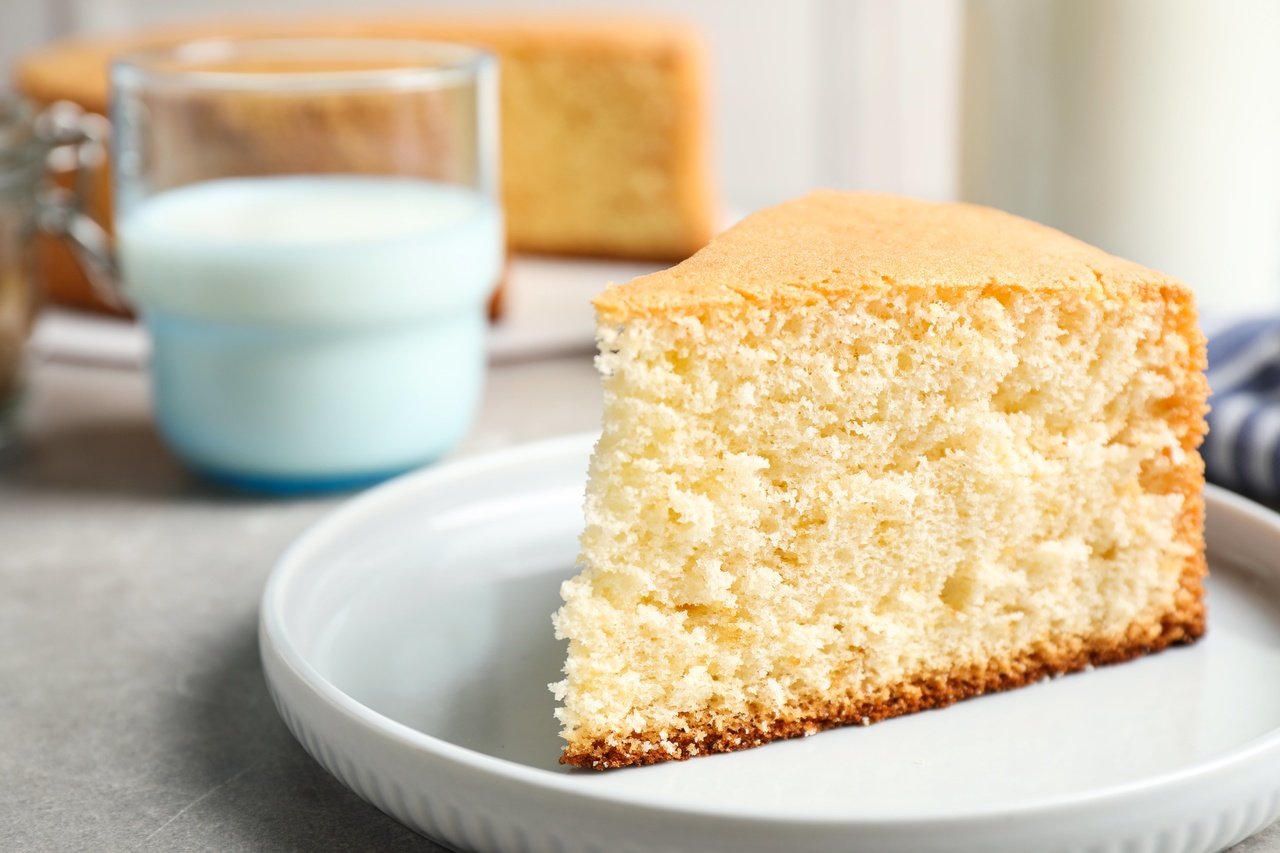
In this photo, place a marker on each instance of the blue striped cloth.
(1242, 450)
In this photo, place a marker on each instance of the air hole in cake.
(786, 558)
(679, 362)
(906, 362)
(795, 327)
(885, 532)
(886, 604)
(939, 451)
(1105, 552)
(960, 591)
(811, 518)
(694, 612)
(1015, 401)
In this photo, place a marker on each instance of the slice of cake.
(604, 125)
(866, 455)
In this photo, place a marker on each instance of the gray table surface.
(133, 714)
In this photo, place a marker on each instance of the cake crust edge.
(1182, 625)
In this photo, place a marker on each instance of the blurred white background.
(808, 93)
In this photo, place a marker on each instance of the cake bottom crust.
(704, 734)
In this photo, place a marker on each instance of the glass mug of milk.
(309, 231)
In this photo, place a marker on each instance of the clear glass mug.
(309, 229)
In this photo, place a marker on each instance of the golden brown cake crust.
(76, 69)
(832, 243)
(936, 690)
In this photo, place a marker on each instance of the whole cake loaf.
(866, 455)
(604, 124)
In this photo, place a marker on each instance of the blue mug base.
(288, 486)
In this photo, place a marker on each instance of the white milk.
(313, 330)
(1148, 127)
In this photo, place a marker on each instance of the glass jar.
(22, 157)
(45, 159)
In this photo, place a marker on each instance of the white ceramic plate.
(407, 642)
(548, 312)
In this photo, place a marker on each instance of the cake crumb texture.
(927, 476)
(705, 734)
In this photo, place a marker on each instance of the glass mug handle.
(77, 145)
